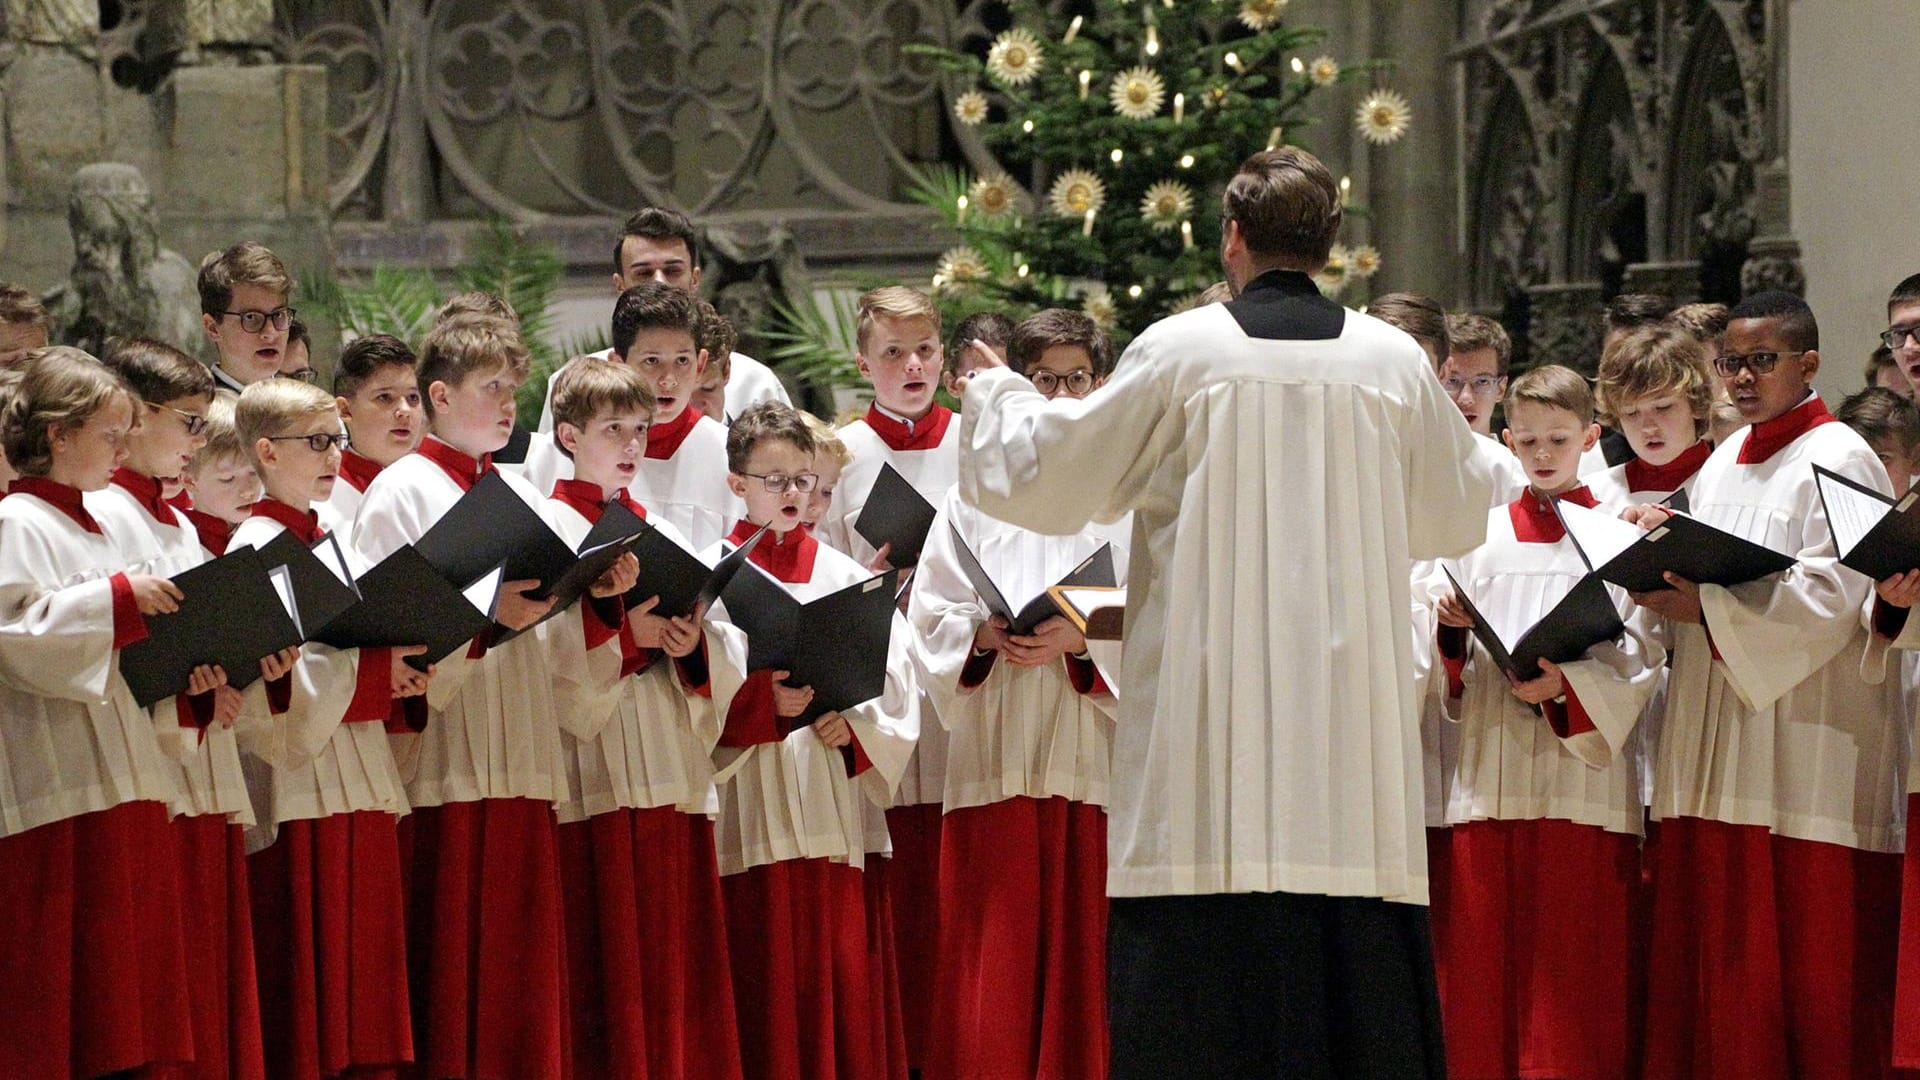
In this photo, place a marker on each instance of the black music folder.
(490, 526)
(667, 570)
(1583, 618)
(230, 614)
(1878, 536)
(319, 581)
(594, 559)
(895, 513)
(1096, 571)
(836, 644)
(405, 601)
(1625, 555)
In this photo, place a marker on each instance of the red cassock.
(651, 992)
(331, 944)
(96, 968)
(1906, 1002)
(883, 967)
(219, 937)
(1021, 990)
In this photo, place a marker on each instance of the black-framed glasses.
(781, 483)
(319, 442)
(1894, 337)
(1760, 363)
(255, 321)
(1078, 382)
(195, 422)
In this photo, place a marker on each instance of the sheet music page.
(1851, 513)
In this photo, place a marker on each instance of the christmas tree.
(1116, 129)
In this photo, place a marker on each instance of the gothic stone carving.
(123, 282)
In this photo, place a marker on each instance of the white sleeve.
(54, 642)
(888, 726)
(586, 682)
(1449, 487)
(945, 613)
(1612, 683)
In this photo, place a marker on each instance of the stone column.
(1563, 326)
(1411, 190)
(1773, 256)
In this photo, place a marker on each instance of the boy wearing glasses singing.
(1021, 961)
(243, 306)
(1777, 771)
(790, 834)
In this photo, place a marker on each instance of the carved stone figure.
(123, 282)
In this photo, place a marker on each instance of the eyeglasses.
(305, 375)
(781, 483)
(1481, 385)
(318, 442)
(1078, 382)
(255, 321)
(1759, 363)
(195, 422)
(1896, 337)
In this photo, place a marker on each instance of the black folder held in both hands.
(318, 579)
(230, 614)
(836, 644)
(1096, 571)
(1625, 555)
(1878, 536)
(1583, 618)
(895, 513)
(404, 601)
(667, 570)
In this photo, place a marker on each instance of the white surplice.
(1268, 736)
(72, 739)
(1022, 731)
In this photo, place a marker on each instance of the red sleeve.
(695, 674)
(1888, 620)
(1452, 641)
(1567, 718)
(407, 715)
(129, 626)
(194, 710)
(598, 630)
(750, 719)
(372, 687)
(857, 760)
(280, 694)
(1085, 676)
(977, 668)
(477, 649)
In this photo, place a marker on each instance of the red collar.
(214, 532)
(145, 491)
(182, 500)
(305, 526)
(65, 499)
(1644, 477)
(1769, 437)
(1534, 521)
(358, 469)
(786, 558)
(465, 470)
(590, 500)
(922, 434)
(663, 440)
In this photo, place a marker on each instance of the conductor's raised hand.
(833, 730)
(155, 595)
(1680, 604)
(514, 609)
(618, 578)
(985, 359)
(789, 701)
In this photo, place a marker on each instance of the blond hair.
(271, 406)
(223, 439)
(590, 387)
(466, 345)
(1651, 360)
(894, 302)
(245, 263)
(475, 302)
(59, 386)
(827, 441)
(1553, 385)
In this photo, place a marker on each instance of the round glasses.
(1078, 382)
(781, 483)
(255, 321)
(195, 422)
(319, 442)
(1759, 363)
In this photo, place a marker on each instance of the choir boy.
(1428, 324)
(646, 936)
(329, 916)
(174, 391)
(244, 292)
(1775, 859)
(485, 941)
(1890, 422)
(23, 324)
(296, 361)
(97, 979)
(989, 328)
(1020, 989)
(1655, 388)
(791, 834)
(1475, 368)
(1622, 315)
(378, 395)
(221, 484)
(1883, 372)
(717, 340)
(898, 336)
(1544, 806)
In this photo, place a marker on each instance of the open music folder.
(836, 644)
(1096, 571)
(1583, 618)
(1623, 554)
(895, 513)
(667, 570)
(405, 601)
(1878, 536)
(231, 614)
